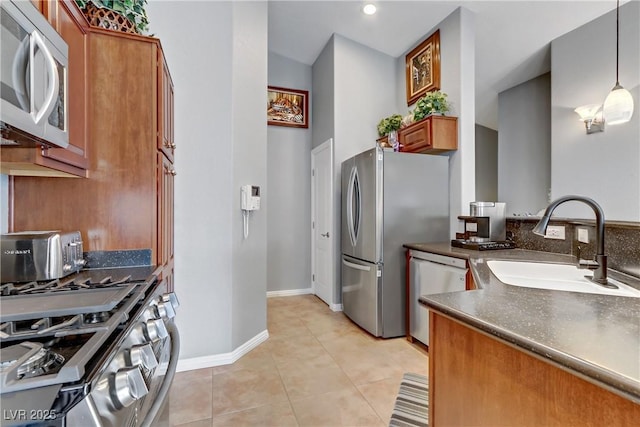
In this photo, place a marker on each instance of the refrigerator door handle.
(353, 206)
(356, 266)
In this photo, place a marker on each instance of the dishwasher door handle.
(356, 266)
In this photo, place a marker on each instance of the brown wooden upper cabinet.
(434, 134)
(127, 200)
(73, 161)
(166, 141)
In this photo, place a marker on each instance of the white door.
(322, 224)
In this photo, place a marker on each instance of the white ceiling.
(512, 37)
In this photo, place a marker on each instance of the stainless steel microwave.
(33, 78)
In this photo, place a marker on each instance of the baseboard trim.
(224, 358)
(335, 307)
(289, 292)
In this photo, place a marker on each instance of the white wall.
(218, 65)
(524, 146)
(604, 166)
(289, 182)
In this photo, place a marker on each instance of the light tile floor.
(316, 369)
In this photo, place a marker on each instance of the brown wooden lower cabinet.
(478, 380)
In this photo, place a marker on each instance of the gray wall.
(324, 125)
(289, 182)
(322, 101)
(606, 165)
(4, 203)
(457, 53)
(350, 100)
(220, 279)
(486, 164)
(249, 138)
(524, 146)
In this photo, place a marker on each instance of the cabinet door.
(166, 142)
(66, 19)
(168, 277)
(417, 137)
(166, 174)
(434, 134)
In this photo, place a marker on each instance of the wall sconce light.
(591, 115)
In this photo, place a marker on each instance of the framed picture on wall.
(423, 68)
(287, 107)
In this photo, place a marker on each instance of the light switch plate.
(583, 235)
(555, 232)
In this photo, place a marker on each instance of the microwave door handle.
(52, 74)
(19, 74)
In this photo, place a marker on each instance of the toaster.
(40, 255)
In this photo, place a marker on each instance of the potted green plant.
(389, 124)
(432, 103)
(120, 15)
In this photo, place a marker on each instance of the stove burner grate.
(99, 317)
(40, 360)
(59, 285)
(41, 363)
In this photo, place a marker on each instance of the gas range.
(97, 348)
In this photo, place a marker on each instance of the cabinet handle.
(171, 171)
(172, 146)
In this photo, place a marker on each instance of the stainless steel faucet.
(600, 264)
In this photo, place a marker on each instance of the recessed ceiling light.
(369, 9)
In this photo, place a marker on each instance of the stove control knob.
(172, 298)
(142, 355)
(129, 386)
(165, 310)
(156, 330)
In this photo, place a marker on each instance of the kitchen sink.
(557, 277)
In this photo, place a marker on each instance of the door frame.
(328, 144)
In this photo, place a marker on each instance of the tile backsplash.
(621, 243)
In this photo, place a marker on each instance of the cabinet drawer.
(434, 134)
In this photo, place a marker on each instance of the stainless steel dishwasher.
(431, 274)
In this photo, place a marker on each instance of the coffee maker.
(485, 228)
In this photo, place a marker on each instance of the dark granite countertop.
(596, 337)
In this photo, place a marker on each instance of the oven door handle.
(163, 393)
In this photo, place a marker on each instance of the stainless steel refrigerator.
(388, 199)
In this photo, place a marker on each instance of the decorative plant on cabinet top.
(120, 15)
(431, 103)
(389, 124)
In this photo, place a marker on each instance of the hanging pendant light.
(618, 106)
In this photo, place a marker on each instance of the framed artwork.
(287, 107)
(423, 68)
